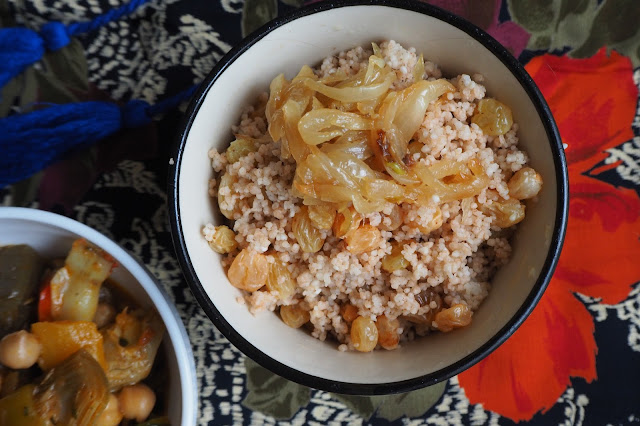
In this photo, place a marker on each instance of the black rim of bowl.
(437, 376)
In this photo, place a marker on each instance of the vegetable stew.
(75, 349)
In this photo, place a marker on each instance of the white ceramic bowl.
(51, 235)
(306, 37)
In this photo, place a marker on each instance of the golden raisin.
(396, 218)
(525, 183)
(433, 300)
(395, 260)
(240, 148)
(363, 239)
(224, 240)
(388, 336)
(346, 221)
(457, 316)
(349, 312)
(434, 223)
(507, 212)
(322, 216)
(364, 334)
(429, 297)
(493, 117)
(418, 319)
(308, 236)
(294, 316)
(249, 270)
(279, 280)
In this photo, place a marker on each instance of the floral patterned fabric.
(575, 360)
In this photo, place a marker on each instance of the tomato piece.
(44, 303)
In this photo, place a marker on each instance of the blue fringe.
(30, 142)
(22, 47)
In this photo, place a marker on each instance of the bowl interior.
(51, 236)
(307, 40)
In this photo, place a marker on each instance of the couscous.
(369, 199)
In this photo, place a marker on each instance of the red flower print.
(593, 101)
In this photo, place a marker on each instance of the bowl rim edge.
(544, 277)
(183, 350)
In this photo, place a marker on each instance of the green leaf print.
(60, 77)
(533, 15)
(272, 394)
(583, 26)
(20, 92)
(278, 397)
(256, 13)
(364, 406)
(554, 24)
(66, 68)
(617, 26)
(411, 404)
(393, 407)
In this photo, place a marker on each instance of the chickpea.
(19, 350)
(105, 314)
(111, 416)
(136, 401)
(525, 184)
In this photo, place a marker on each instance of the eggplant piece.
(74, 392)
(21, 270)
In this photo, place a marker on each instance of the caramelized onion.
(331, 125)
(321, 125)
(353, 93)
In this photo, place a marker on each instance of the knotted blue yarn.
(30, 142)
(22, 47)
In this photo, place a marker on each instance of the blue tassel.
(22, 47)
(30, 142)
